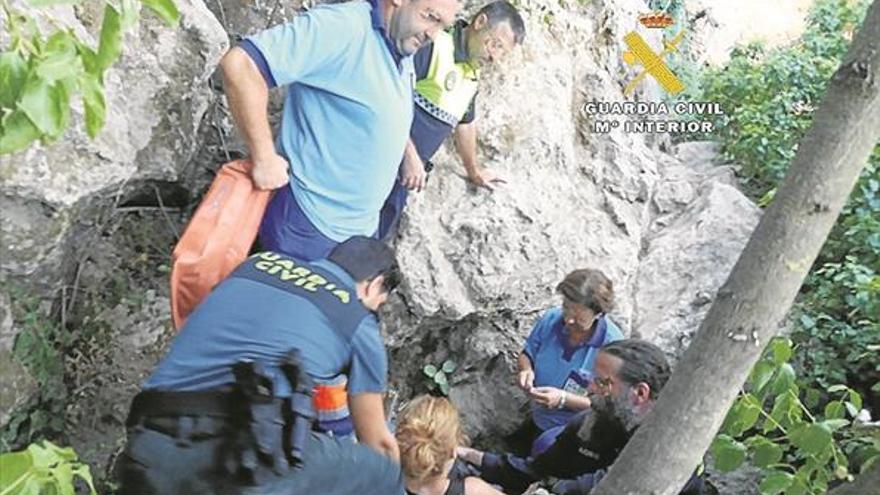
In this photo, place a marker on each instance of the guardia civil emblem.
(451, 80)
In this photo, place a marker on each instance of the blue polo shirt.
(554, 360)
(243, 319)
(347, 112)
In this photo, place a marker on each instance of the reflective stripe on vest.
(446, 92)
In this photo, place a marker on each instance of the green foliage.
(40, 72)
(43, 468)
(38, 347)
(769, 97)
(798, 449)
(438, 376)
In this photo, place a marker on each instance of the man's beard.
(616, 410)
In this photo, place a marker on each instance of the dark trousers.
(190, 461)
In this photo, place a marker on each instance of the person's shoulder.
(355, 15)
(612, 331)
(476, 486)
(552, 315)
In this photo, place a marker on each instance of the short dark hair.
(643, 362)
(365, 258)
(588, 287)
(504, 11)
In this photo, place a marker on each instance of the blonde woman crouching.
(428, 432)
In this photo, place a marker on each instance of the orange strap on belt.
(329, 397)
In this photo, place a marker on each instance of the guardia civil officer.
(229, 409)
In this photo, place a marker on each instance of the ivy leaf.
(93, 102)
(766, 453)
(783, 380)
(856, 399)
(429, 370)
(46, 105)
(440, 378)
(836, 424)
(727, 453)
(761, 374)
(834, 410)
(775, 483)
(60, 60)
(110, 45)
(851, 409)
(14, 467)
(13, 74)
(813, 439)
(165, 9)
(742, 416)
(449, 366)
(781, 350)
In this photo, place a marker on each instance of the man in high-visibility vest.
(447, 73)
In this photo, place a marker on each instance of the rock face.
(480, 267)
(156, 95)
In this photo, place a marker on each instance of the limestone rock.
(155, 95)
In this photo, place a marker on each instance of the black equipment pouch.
(301, 410)
(260, 443)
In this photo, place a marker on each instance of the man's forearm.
(524, 363)
(248, 98)
(466, 145)
(576, 402)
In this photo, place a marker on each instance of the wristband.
(561, 404)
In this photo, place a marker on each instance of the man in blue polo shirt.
(347, 113)
(199, 426)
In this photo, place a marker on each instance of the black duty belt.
(214, 403)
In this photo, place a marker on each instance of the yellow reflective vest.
(446, 92)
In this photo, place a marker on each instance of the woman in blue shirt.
(556, 363)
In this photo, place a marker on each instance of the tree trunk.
(752, 304)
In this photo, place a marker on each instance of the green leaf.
(851, 409)
(165, 9)
(89, 59)
(110, 45)
(742, 416)
(876, 387)
(14, 467)
(13, 74)
(444, 388)
(766, 453)
(813, 439)
(856, 399)
(727, 453)
(17, 133)
(781, 350)
(761, 374)
(836, 424)
(131, 10)
(429, 370)
(834, 410)
(93, 102)
(783, 380)
(836, 388)
(449, 366)
(440, 378)
(59, 58)
(775, 482)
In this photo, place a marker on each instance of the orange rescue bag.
(218, 237)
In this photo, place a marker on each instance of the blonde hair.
(428, 431)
